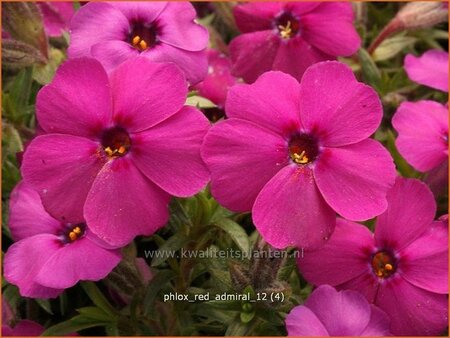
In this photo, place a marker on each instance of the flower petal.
(279, 112)
(343, 313)
(411, 209)
(78, 261)
(345, 256)
(329, 27)
(193, 64)
(179, 29)
(379, 324)
(62, 168)
(123, 203)
(252, 54)
(25, 328)
(366, 283)
(413, 311)
(287, 61)
(422, 133)
(430, 69)
(233, 147)
(301, 321)
(146, 93)
(437, 179)
(300, 8)
(255, 16)
(424, 262)
(290, 211)
(89, 20)
(112, 53)
(354, 179)
(169, 153)
(217, 83)
(336, 107)
(27, 216)
(56, 16)
(145, 11)
(77, 101)
(20, 270)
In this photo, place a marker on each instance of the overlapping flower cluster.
(295, 149)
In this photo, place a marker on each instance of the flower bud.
(17, 55)
(416, 15)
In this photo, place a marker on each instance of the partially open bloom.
(12, 327)
(24, 328)
(422, 133)
(291, 36)
(56, 15)
(422, 14)
(50, 255)
(328, 312)
(402, 268)
(295, 154)
(116, 147)
(219, 79)
(430, 69)
(113, 32)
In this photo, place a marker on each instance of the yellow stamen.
(139, 43)
(136, 40)
(143, 45)
(285, 31)
(122, 150)
(109, 151)
(388, 267)
(73, 236)
(300, 158)
(77, 230)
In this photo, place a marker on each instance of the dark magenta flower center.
(303, 149)
(142, 36)
(116, 142)
(384, 264)
(74, 232)
(288, 25)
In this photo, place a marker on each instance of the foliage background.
(196, 223)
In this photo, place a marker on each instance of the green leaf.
(224, 11)
(439, 34)
(63, 303)
(224, 305)
(270, 316)
(370, 72)
(11, 141)
(246, 317)
(392, 46)
(199, 102)
(98, 298)
(236, 232)
(11, 295)
(158, 282)
(45, 304)
(169, 247)
(74, 324)
(112, 330)
(97, 314)
(44, 74)
(204, 211)
(402, 166)
(19, 92)
(236, 328)
(219, 212)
